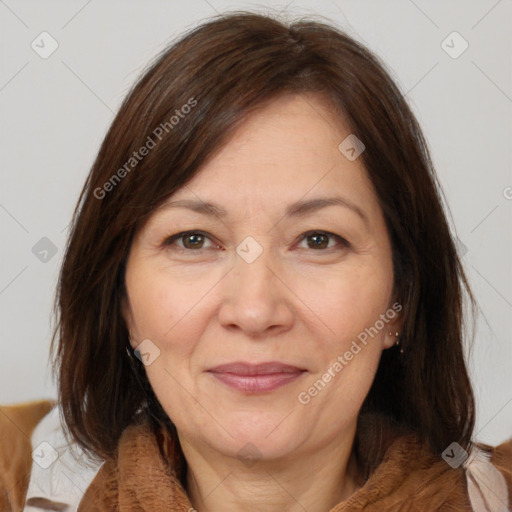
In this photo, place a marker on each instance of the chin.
(252, 435)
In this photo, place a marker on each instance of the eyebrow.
(298, 209)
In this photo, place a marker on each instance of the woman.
(261, 303)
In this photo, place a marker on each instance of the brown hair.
(225, 69)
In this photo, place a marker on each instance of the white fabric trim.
(60, 472)
(487, 487)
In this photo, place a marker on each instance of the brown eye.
(193, 240)
(318, 240)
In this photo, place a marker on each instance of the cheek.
(171, 312)
(162, 305)
(350, 303)
(347, 299)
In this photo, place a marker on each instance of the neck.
(315, 481)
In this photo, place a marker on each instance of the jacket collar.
(145, 475)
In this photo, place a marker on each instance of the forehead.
(286, 150)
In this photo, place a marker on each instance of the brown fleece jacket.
(144, 475)
(16, 425)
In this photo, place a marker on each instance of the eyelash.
(169, 241)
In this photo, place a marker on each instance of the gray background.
(55, 112)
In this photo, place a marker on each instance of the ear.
(394, 326)
(128, 318)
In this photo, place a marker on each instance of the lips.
(256, 378)
(240, 368)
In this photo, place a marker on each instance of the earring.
(397, 342)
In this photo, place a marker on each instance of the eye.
(197, 240)
(193, 240)
(318, 240)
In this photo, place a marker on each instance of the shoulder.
(489, 477)
(453, 480)
(17, 423)
(401, 468)
(502, 458)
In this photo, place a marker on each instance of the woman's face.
(264, 324)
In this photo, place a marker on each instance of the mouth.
(256, 378)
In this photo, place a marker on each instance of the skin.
(203, 305)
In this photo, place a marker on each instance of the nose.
(255, 300)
